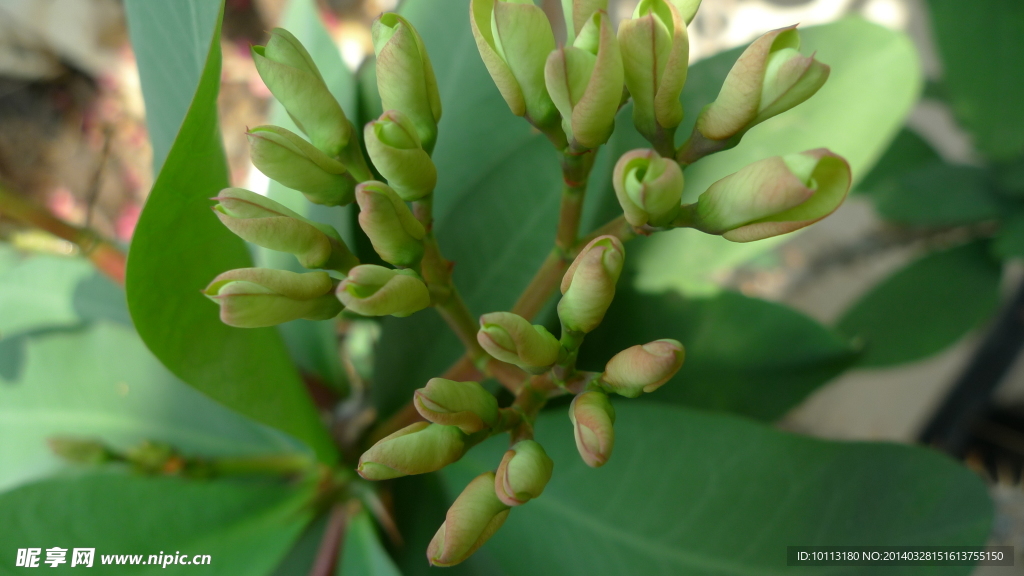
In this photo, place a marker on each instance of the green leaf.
(875, 81)
(362, 553)
(938, 194)
(179, 245)
(743, 355)
(982, 57)
(245, 527)
(700, 494)
(925, 307)
(907, 152)
(1009, 241)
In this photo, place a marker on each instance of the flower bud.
(649, 187)
(396, 235)
(585, 82)
(592, 418)
(292, 77)
(512, 339)
(473, 518)
(463, 404)
(687, 9)
(285, 157)
(655, 52)
(774, 196)
(394, 147)
(578, 12)
(416, 449)
(258, 297)
(770, 77)
(514, 38)
(405, 77)
(588, 287)
(643, 368)
(266, 223)
(378, 291)
(523, 473)
(80, 451)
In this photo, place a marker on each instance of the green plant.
(247, 481)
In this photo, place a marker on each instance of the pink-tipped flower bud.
(512, 339)
(463, 404)
(578, 12)
(416, 449)
(395, 149)
(373, 290)
(588, 286)
(643, 368)
(774, 196)
(260, 297)
(473, 518)
(593, 418)
(649, 187)
(523, 473)
(396, 235)
(284, 156)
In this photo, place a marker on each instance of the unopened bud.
(154, 458)
(655, 52)
(687, 9)
(289, 72)
(514, 38)
(473, 518)
(395, 149)
(266, 223)
(578, 12)
(523, 473)
(774, 196)
(585, 82)
(593, 418)
(378, 291)
(416, 449)
(588, 286)
(463, 404)
(258, 297)
(284, 156)
(396, 235)
(405, 77)
(512, 339)
(643, 368)
(770, 77)
(649, 187)
(80, 451)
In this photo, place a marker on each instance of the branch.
(330, 544)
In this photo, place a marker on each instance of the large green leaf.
(245, 527)
(699, 494)
(938, 194)
(743, 355)
(925, 307)
(907, 152)
(874, 83)
(179, 245)
(1009, 241)
(84, 372)
(362, 554)
(982, 58)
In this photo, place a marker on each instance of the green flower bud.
(774, 196)
(649, 187)
(396, 235)
(258, 297)
(578, 12)
(643, 368)
(770, 77)
(266, 223)
(593, 418)
(463, 404)
(80, 451)
(405, 77)
(473, 518)
(585, 82)
(416, 449)
(377, 291)
(288, 70)
(588, 286)
(523, 473)
(655, 52)
(687, 9)
(512, 339)
(285, 157)
(514, 38)
(394, 147)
